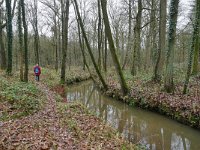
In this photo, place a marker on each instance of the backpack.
(36, 70)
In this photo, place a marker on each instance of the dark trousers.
(37, 78)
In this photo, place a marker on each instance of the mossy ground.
(18, 99)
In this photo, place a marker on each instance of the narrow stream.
(152, 130)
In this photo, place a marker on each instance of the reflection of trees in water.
(87, 100)
(179, 142)
(136, 126)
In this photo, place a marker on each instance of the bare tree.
(89, 47)
(65, 21)
(34, 23)
(25, 40)
(137, 40)
(3, 57)
(9, 36)
(99, 35)
(161, 43)
(129, 33)
(2, 47)
(20, 35)
(112, 47)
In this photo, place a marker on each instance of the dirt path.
(39, 131)
(50, 129)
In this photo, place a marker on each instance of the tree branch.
(13, 12)
(1, 2)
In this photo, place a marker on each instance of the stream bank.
(149, 129)
(150, 96)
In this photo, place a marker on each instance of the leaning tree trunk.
(65, 21)
(20, 36)
(89, 47)
(9, 36)
(25, 41)
(194, 36)
(83, 51)
(81, 43)
(112, 47)
(168, 82)
(161, 43)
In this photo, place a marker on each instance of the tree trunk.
(106, 54)
(25, 41)
(20, 36)
(112, 48)
(137, 40)
(148, 62)
(89, 48)
(99, 34)
(83, 51)
(59, 43)
(65, 21)
(2, 47)
(117, 40)
(168, 82)
(9, 36)
(197, 45)
(194, 36)
(161, 43)
(129, 34)
(2, 51)
(56, 37)
(36, 35)
(153, 32)
(82, 47)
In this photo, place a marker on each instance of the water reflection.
(152, 130)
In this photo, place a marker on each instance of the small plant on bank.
(18, 98)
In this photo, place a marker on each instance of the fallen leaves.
(149, 95)
(58, 126)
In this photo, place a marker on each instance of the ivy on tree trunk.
(9, 36)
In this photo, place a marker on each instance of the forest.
(143, 53)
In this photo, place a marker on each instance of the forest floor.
(34, 117)
(150, 95)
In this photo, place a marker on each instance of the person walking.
(37, 71)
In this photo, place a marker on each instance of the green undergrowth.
(17, 98)
(50, 77)
(75, 74)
